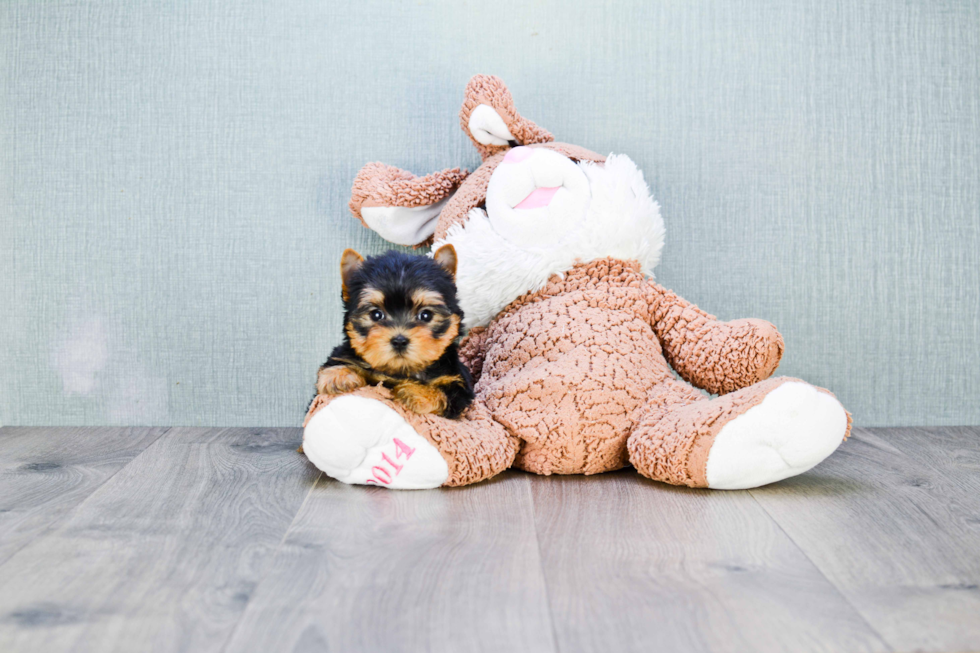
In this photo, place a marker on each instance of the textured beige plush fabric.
(471, 351)
(573, 379)
(566, 369)
(379, 184)
(718, 357)
(491, 91)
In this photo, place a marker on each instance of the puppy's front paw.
(337, 380)
(421, 399)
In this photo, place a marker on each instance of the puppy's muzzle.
(399, 343)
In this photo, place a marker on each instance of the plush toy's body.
(571, 344)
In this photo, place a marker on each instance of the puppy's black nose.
(399, 342)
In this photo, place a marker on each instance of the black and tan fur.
(401, 320)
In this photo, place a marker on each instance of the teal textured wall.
(174, 179)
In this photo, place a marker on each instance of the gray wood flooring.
(189, 539)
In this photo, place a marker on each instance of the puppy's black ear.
(445, 256)
(350, 262)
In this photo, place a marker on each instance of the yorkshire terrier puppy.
(401, 320)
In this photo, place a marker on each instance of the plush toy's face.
(543, 214)
(536, 195)
(535, 208)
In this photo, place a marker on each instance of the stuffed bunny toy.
(582, 363)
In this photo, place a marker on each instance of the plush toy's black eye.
(426, 315)
(376, 315)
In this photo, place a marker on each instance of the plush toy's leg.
(764, 433)
(365, 438)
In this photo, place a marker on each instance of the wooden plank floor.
(228, 540)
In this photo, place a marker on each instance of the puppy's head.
(400, 310)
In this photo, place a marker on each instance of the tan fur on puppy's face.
(423, 298)
(424, 346)
(427, 340)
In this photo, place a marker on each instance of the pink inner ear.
(539, 197)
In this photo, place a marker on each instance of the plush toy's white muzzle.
(536, 195)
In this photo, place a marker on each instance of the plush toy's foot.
(362, 441)
(794, 428)
(758, 435)
(365, 437)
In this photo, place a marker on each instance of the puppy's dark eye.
(426, 315)
(376, 315)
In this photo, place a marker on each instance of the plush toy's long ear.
(401, 207)
(490, 120)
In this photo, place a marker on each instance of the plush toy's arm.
(719, 357)
(472, 349)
